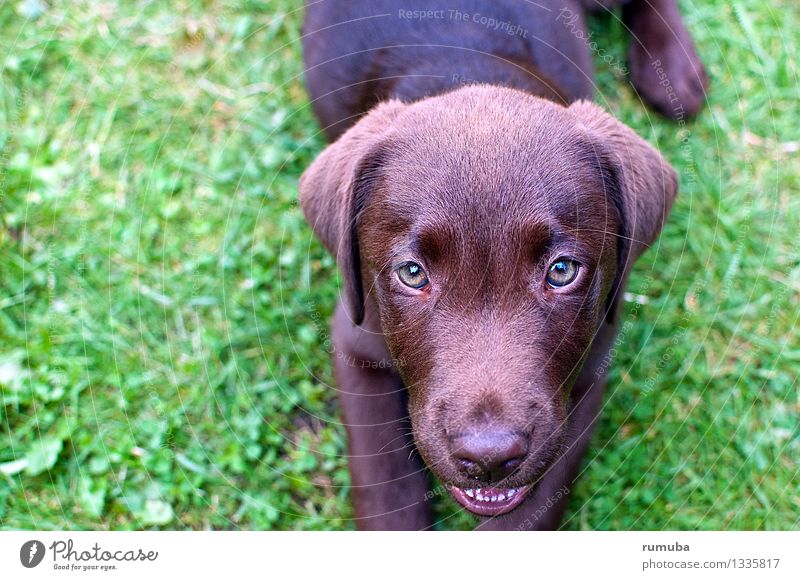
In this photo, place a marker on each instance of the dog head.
(492, 232)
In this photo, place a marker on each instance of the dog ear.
(638, 180)
(333, 191)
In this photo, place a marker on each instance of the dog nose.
(489, 455)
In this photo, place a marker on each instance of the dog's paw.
(669, 76)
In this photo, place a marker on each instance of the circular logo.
(31, 553)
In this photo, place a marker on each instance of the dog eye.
(562, 272)
(412, 275)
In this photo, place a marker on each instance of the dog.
(485, 216)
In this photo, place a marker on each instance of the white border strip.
(389, 555)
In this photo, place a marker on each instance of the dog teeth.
(493, 495)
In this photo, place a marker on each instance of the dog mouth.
(490, 501)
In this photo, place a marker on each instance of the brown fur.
(489, 343)
(483, 186)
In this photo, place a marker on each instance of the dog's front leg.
(389, 485)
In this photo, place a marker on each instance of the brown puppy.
(484, 235)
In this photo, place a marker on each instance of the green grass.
(163, 305)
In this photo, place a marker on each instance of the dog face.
(492, 231)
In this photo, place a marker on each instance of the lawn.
(163, 305)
